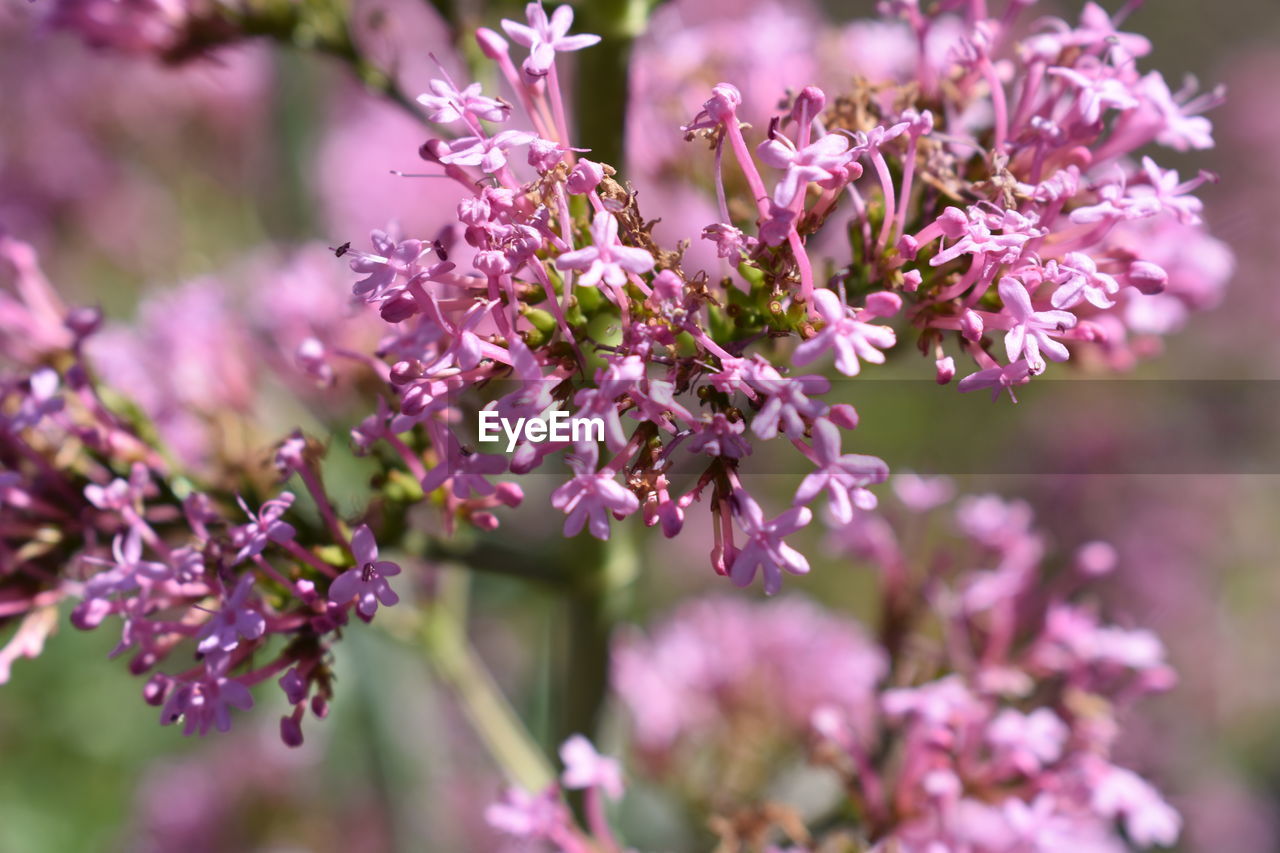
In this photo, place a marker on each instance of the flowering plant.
(985, 197)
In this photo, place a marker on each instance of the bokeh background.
(213, 189)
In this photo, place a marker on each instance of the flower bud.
(883, 303)
(946, 370)
(1149, 278)
(971, 325)
(585, 177)
(399, 307)
(290, 731)
(809, 103)
(911, 280)
(492, 45)
(843, 415)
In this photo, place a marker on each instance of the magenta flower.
(585, 768)
(850, 338)
(844, 477)
(1030, 334)
(607, 259)
(591, 496)
(764, 550)
(127, 566)
(545, 37)
(367, 580)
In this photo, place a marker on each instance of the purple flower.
(607, 259)
(844, 477)
(591, 495)
(264, 528)
(848, 337)
(236, 619)
(1030, 332)
(787, 404)
(367, 580)
(764, 549)
(545, 37)
(721, 437)
(127, 566)
(205, 703)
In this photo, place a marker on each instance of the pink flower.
(446, 104)
(1031, 331)
(844, 477)
(825, 162)
(487, 152)
(850, 338)
(607, 259)
(585, 768)
(998, 379)
(1028, 741)
(545, 37)
(367, 581)
(764, 548)
(591, 495)
(1148, 819)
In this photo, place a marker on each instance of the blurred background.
(213, 189)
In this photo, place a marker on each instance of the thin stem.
(489, 712)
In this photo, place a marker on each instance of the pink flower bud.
(509, 494)
(971, 325)
(810, 102)
(491, 44)
(909, 247)
(911, 278)
(946, 370)
(1149, 278)
(484, 520)
(843, 415)
(585, 177)
(883, 303)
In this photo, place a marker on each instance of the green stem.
(605, 573)
(489, 712)
(602, 75)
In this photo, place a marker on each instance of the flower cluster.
(93, 512)
(995, 216)
(998, 738)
